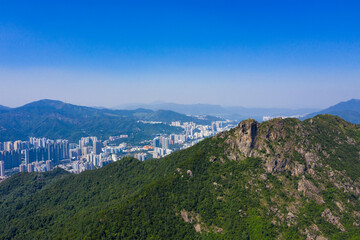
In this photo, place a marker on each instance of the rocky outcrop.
(313, 233)
(328, 216)
(200, 227)
(299, 169)
(311, 160)
(308, 189)
(245, 137)
(277, 165)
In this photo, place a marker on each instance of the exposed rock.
(197, 227)
(217, 184)
(313, 233)
(308, 189)
(245, 137)
(300, 150)
(311, 171)
(217, 229)
(291, 219)
(311, 160)
(277, 165)
(185, 215)
(321, 238)
(179, 170)
(193, 218)
(350, 140)
(263, 177)
(340, 206)
(356, 214)
(242, 213)
(212, 159)
(299, 169)
(327, 214)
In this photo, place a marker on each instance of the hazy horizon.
(289, 55)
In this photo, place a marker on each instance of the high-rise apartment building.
(2, 169)
(97, 147)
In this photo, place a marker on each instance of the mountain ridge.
(229, 112)
(348, 110)
(3, 108)
(56, 119)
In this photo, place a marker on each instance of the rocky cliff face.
(319, 153)
(309, 176)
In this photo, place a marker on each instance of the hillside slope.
(281, 179)
(349, 110)
(56, 119)
(4, 107)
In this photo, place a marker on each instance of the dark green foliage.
(334, 133)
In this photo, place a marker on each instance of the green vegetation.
(197, 193)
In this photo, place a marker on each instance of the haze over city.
(303, 54)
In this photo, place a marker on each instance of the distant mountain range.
(56, 119)
(4, 108)
(233, 113)
(349, 111)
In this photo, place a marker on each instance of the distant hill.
(280, 179)
(233, 113)
(56, 119)
(4, 108)
(349, 110)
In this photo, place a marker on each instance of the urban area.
(42, 154)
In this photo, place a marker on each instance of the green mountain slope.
(281, 179)
(4, 108)
(55, 119)
(349, 110)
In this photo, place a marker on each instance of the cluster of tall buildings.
(161, 152)
(13, 154)
(41, 166)
(42, 154)
(113, 138)
(141, 156)
(193, 133)
(89, 154)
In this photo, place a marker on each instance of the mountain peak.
(4, 107)
(46, 102)
(348, 110)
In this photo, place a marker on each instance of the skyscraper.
(26, 157)
(22, 168)
(48, 165)
(97, 147)
(30, 168)
(165, 143)
(156, 142)
(2, 169)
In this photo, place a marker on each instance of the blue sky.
(248, 53)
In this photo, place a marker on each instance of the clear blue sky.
(248, 53)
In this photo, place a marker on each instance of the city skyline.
(293, 55)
